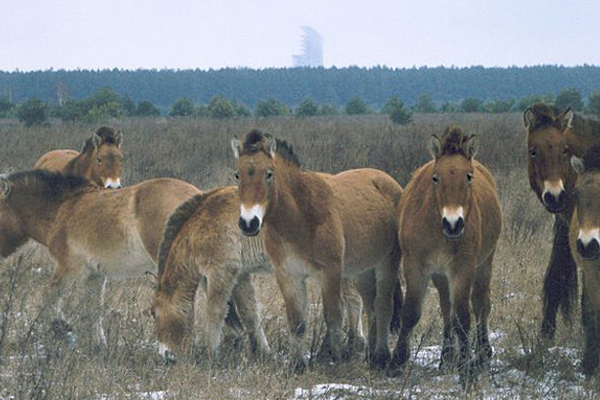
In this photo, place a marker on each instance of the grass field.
(32, 365)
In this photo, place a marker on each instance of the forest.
(333, 86)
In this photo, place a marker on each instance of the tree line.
(291, 86)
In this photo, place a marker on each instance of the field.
(33, 365)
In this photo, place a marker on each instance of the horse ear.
(270, 145)
(4, 187)
(118, 138)
(528, 118)
(577, 164)
(435, 146)
(566, 119)
(472, 146)
(236, 147)
(96, 139)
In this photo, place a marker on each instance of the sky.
(184, 34)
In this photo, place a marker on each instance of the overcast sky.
(181, 34)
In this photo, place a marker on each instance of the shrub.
(182, 107)
(307, 108)
(569, 97)
(356, 106)
(395, 109)
(221, 108)
(271, 108)
(32, 112)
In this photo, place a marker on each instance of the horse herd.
(353, 232)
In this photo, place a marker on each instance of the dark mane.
(255, 141)
(175, 223)
(545, 115)
(453, 141)
(107, 134)
(591, 160)
(585, 126)
(51, 184)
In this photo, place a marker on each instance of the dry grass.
(32, 365)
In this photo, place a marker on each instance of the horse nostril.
(588, 251)
(249, 228)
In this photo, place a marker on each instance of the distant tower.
(312, 49)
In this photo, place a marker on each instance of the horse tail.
(397, 310)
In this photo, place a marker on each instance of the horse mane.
(591, 159)
(453, 141)
(585, 126)
(107, 134)
(545, 115)
(52, 184)
(256, 140)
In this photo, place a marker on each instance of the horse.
(553, 137)
(99, 161)
(331, 227)
(101, 234)
(202, 240)
(449, 225)
(584, 241)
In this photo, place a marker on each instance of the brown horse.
(449, 225)
(552, 138)
(202, 239)
(327, 226)
(87, 229)
(584, 239)
(98, 162)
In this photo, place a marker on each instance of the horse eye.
(566, 151)
(269, 175)
(436, 180)
(533, 153)
(469, 177)
(237, 176)
(98, 160)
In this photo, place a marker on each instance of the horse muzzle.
(589, 250)
(249, 228)
(455, 230)
(555, 204)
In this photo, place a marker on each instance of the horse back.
(153, 201)
(56, 160)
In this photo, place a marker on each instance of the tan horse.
(98, 162)
(327, 226)
(584, 239)
(87, 229)
(552, 138)
(449, 225)
(202, 239)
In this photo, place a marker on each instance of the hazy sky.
(97, 34)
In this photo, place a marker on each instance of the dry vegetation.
(34, 365)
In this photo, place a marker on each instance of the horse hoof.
(380, 359)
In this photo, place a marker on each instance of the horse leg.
(482, 305)
(386, 276)
(218, 293)
(560, 280)
(416, 286)
(64, 276)
(354, 307)
(460, 289)
(93, 299)
(447, 359)
(365, 283)
(244, 298)
(333, 310)
(293, 289)
(590, 316)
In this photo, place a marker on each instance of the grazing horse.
(202, 240)
(98, 162)
(584, 239)
(331, 227)
(552, 138)
(87, 229)
(449, 224)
